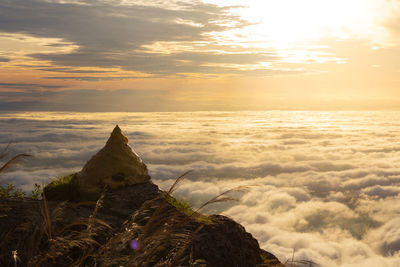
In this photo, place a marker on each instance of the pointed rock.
(116, 165)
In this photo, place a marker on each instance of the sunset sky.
(127, 55)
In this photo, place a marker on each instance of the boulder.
(116, 165)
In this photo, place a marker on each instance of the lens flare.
(134, 244)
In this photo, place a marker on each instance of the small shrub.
(63, 188)
(9, 191)
(36, 192)
(181, 205)
(66, 188)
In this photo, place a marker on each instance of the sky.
(188, 55)
(325, 184)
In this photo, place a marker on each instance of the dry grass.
(223, 197)
(165, 230)
(15, 257)
(299, 263)
(44, 210)
(171, 229)
(14, 160)
(72, 244)
(9, 190)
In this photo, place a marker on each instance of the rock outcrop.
(133, 223)
(116, 165)
(135, 226)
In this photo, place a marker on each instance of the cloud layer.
(326, 184)
(168, 39)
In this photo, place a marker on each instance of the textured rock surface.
(116, 165)
(164, 235)
(23, 227)
(167, 237)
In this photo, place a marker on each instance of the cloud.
(29, 86)
(91, 78)
(71, 70)
(86, 100)
(117, 34)
(387, 238)
(335, 204)
(4, 59)
(381, 191)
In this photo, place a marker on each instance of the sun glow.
(293, 22)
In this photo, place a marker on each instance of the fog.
(324, 185)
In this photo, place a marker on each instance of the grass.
(180, 204)
(67, 188)
(12, 161)
(9, 190)
(44, 247)
(167, 230)
(185, 239)
(72, 244)
(301, 263)
(36, 192)
(44, 209)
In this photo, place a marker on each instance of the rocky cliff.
(115, 165)
(130, 222)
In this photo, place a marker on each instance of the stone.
(115, 166)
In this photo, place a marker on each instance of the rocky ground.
(132, 226)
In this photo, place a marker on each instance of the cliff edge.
(130, 223)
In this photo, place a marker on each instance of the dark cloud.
(93, 78)
(114, 35)
(382, 191)
(22, 105)
(29, 86)
(70, 70)
(86, 100)
(4, 59)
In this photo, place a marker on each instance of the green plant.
(63, 188)
(180, 204)
(36, 192)
(9, 191)
(66, 188)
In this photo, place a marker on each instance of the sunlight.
(309, 20)
(294, 22)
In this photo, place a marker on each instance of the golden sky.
(126, 55)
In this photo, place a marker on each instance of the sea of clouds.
(325, 184)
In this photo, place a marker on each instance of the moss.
(264, 258)
(185, 207)
(181, 205)
(66, 188)
(268, 259)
